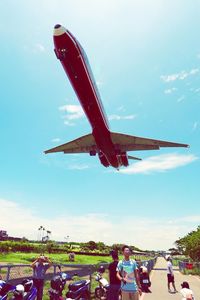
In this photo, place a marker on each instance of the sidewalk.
(159, 283)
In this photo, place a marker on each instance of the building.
(5, 237)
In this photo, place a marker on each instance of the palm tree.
(48, 233)
(39, 233)
(67, 238)
(43, 230)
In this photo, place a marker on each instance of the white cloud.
(180, 99)
(194, 71)
(159, 163)
(78, 167)
(68, 123)
(99, 83)
(98, 227)
(55, 140)
(39, 48)
(121, 108)
(69, 162)
(170, 91)
(179, 76)
(74, 112)
(117, 117)
(195, 126)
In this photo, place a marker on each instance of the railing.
(149, 264)
(183, 265)
(16, 273)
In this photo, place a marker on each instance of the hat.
(144, 269)
(167, 257)
(64, 276)
(185, 284)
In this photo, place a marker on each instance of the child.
(144, 279)
(186, 292)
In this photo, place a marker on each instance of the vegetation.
(53, 247)
(194, 271)
(190, 245)
(27, 258)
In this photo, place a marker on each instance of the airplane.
(110, 147)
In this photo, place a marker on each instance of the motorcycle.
(76, 290)
(79, 290)
(5, 288)
(24, 291)
(57, 285)
(101, 292)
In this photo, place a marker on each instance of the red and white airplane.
(111, 147)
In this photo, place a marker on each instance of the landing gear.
(93, 153)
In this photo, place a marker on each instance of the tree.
(174, 251)
(190, 244)
(39, 232)
(91, 245)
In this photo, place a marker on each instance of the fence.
(183, 265)
(149, 264)
(16, 273)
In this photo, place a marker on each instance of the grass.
(27, 258)
(194, 271)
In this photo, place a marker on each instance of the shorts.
(170, 278)
(130, 295)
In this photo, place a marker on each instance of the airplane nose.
(59, 30)
(57, 26)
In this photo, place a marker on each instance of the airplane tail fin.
(133, 157)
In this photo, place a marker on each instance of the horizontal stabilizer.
(133, 157)
(84, 144)
(126, 142)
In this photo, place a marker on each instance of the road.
(159, 283)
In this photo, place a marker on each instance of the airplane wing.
(126, 142)
(84, 144)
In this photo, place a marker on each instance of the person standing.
(115, 283)
(127, 273)
(40, 266)
(170, 274)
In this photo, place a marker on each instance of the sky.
(146, 62)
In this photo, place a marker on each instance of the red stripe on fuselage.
(77, 68)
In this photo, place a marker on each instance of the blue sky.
(146, 62)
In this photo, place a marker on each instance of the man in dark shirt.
(115, 283)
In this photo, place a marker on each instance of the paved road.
(159, 283)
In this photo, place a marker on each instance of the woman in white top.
(186, 292)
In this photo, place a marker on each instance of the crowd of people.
(186, 292)
(127, 280)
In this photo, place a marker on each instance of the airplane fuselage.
(111, 147)
(76, 65)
